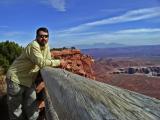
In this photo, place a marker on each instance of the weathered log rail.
(73, 97)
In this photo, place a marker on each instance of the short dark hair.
(41, 29)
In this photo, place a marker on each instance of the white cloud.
(83, 34)
(112, 10)
(127, 36)
(133, 15)
(140, 30)
(58, 4)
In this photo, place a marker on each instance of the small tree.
(73, 47)
(8, 52)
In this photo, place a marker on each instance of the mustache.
(43, 40)
(42, 43)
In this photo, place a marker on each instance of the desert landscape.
(132, 68)
(106, 71)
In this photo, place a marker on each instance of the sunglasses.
(43, 36)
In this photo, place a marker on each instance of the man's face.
(42, 38)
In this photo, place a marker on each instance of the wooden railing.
(72, 97)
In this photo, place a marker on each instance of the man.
(22, 73)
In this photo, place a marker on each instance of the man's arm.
(38, 59)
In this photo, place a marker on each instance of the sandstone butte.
(77, 62)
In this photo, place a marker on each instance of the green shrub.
(8, 52)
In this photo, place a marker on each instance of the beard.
(42, 43)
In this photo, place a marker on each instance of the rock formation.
(151, 70)
(78, 63)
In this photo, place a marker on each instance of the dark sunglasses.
(43, 36)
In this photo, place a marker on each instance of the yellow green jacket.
(25, 68)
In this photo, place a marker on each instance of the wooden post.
(74, 97)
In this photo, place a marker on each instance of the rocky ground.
(139, 83)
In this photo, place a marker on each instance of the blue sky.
(75, 22)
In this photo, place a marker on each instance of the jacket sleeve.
(38, 59)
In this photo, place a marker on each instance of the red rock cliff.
(77, 62)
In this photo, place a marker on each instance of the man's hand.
(63, 64)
